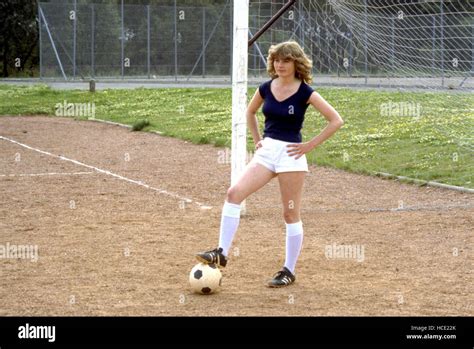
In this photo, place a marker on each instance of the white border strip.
(119, 124)
(430, 183)
(46, 174)
(110, 122)
(140, 183)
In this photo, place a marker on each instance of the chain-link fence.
(100, 40)
(181, 42)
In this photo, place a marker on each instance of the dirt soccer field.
(116, 234)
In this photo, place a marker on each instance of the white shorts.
(273, 155)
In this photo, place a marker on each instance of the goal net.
(411, 43)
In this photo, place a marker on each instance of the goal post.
(241, 43)
(239, 90)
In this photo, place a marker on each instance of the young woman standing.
(281, 152)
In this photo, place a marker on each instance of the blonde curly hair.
(290, 50)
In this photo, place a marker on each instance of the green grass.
(435, 146)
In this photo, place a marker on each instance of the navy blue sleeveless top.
(284, 120)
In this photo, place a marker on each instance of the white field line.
(46, 174)
(139, 183)
(430, 183)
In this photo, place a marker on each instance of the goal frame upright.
(241, 43)
(239, 90)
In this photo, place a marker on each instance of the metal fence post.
(92, 40)
(122, 43)
(175, 43)
(350, 47)
(300, 15)
(74, 41)
(442, 41)
(392, 47)
(148, 40)
(203, 41)
(272, 33)
(302, 30)
(338, 62)
(433, 47)
(40, 23)
(231, 31)
(328, 46)
(254, 20)
(365, 41)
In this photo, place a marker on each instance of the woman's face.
(284, 67)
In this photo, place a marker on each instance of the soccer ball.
(205, 278)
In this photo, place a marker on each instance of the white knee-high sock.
(229, 224)
(294, 241)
